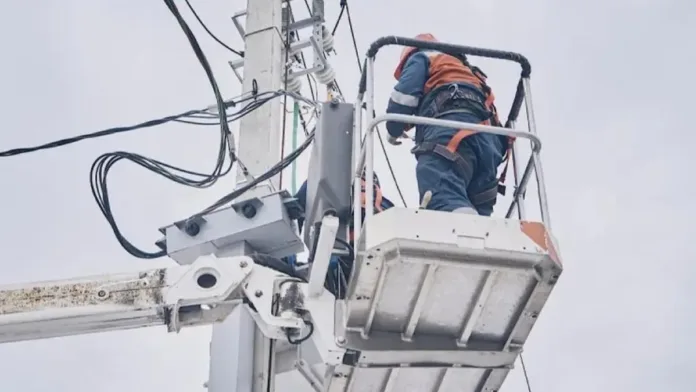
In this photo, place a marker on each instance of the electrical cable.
(108, 132)
(352, 36)
(224, 126)
(101, 166)
(195, 14)
(344, 3)
(284, 163)
(524, 370)
(304, 124)
(379, 133)
(303, 339)
(286, 65)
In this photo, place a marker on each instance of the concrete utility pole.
(259, 131)
(233, 365)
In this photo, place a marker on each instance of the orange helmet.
(408, 51)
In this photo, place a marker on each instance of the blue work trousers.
(450, 191)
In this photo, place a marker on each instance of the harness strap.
(462, 167)
(485, 196)
(503, 174)
(453, 144)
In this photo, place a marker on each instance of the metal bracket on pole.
(321, 41)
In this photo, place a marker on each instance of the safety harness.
(449, 152)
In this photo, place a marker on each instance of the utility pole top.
(259, 131)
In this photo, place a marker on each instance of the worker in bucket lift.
(340, 267)
(456, 168)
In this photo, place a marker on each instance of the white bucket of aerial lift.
(437, 303)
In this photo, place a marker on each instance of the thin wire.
(105, 132)
(101, 166)
(195, 14)
(284, 163)
(338, 20)
(391, 169)
(352, 36)
(524, 370)
(288, 15)
(224, 126)
(304, 124)
(379, 133)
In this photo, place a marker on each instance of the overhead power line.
(106, 132)
(210, 33)
(277, 168)
(379, 133)
(102, 165)
(344, 3)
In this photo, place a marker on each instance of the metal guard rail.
(364, 157)
(454, 50)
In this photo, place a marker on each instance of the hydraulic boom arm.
(180, 296)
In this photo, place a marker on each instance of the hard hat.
(408, 51)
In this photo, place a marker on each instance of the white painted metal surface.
(177, 297)
(431, 295)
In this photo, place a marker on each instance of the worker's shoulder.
(419, 57)
(429, 56)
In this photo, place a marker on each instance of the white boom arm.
(201, 293)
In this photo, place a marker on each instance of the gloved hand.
(394, 141)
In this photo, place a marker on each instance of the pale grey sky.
(612, 83)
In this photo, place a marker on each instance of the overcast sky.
(612, 86)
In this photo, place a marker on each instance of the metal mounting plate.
(267, 228)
